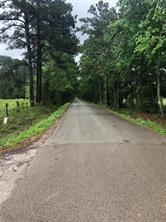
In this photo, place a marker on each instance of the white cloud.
(16, 53)
(80, 7)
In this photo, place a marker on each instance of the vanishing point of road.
(95, 167)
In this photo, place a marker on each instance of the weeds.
(31, 126)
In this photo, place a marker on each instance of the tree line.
(13, 78)
(45, 30)
(123, 60)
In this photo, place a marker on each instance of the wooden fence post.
(18, 106)
(7, 109)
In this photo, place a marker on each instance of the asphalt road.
(95, 167)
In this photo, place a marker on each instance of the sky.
(80, 8)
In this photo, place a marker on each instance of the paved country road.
(95, 167)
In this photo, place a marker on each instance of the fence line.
(7, 109)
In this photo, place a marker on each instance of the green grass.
(38, 122)
(27, 117)
(164, 101)
(12, 105)
(131, 117)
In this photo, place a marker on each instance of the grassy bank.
(31, 123)
(151, 121)
(22, 120)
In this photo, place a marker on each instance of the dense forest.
(45, 30)
(123, 61)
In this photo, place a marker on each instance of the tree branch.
(10, 26)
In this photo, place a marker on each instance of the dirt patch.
(13, 163)
(12, 168)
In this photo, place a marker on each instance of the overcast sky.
(80, 8)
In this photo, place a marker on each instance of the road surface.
(95, 167)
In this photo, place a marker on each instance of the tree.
(13, 78)
(55, 25)
(95, 47)
(125, 47)
(43, 27)
(151, 42)
(60, 79)
(18, 15)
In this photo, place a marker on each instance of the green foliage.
(60, 79)
(95, 62)
(151, 40)
(13, 77)
(124, 56)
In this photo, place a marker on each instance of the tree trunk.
(107, 91)
(29, 56)
(159, 95)
(99, 91)
(118, 97)
(39, 60)
(115, 96)
(116, 92)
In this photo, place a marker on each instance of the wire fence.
(7, 107)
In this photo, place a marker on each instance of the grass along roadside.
(24, 119)
(37, 129)
(138, 119)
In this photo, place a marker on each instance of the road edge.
(30, 142)
(133, 121)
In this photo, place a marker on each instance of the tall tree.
(96, 47)
(17, 16)
(45, 26)
(55, 32)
